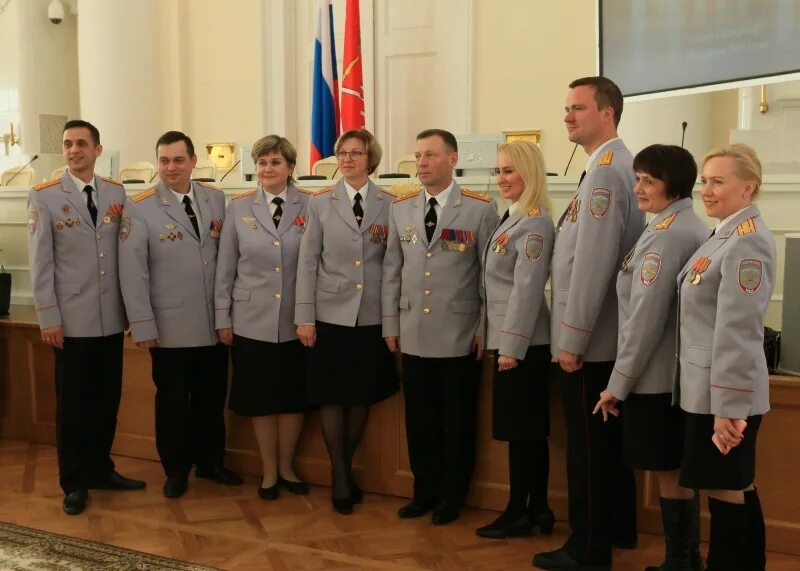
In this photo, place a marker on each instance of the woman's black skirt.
(652, 432)
(350, 366)
(520, 407)
(268, 378)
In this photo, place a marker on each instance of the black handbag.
(5, 291)
(772, 349)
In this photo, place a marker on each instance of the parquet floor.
(231, 528)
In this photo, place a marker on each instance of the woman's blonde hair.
(526, 158)
(747, 166)
(371, 144)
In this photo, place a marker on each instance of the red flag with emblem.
(352, 86)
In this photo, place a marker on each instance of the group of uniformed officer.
(433, 310)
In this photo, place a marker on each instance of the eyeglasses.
(342, 155)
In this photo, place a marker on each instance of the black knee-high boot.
(755, 558)
(676, 516)
(727, 537)
(695, 558)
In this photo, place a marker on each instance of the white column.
(749, 99)
(118, 58)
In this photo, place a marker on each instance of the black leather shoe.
(342, 506)
(544, 521)
(175, 487)
(75, 502)
(117, 481)
(270, 493)
(220, 474)
(444, 514)
(561, 560)
(413, 509)
(299, 488)
(507, 526)
(356, 494)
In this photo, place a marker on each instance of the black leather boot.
(727, 538)
(676, 516)
(755, 558)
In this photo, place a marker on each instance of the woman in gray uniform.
(338, 312)
(515, 269)
(254, 303)
(725, 289)
(644, 371)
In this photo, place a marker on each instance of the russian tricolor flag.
(325, 106)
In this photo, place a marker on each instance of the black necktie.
(90, 203)
(714, 231)
(277, 201)
(505, 216)
(187, 206)
(431, 219)
(583, 176)
(357, 209)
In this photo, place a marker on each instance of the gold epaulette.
(305, 190)
(388, 191)
(605, 159)
(145, 194)
(111, 180)
(48, 184)
(476, 195)
(405, 190)
(664, 224)
(326, 189)
(746, 227)
(243, 194)
(206, 185)
(535, 211)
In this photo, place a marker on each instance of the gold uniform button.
(277, 269)
(427, 274)
(102, 272)
(426, 311)
(102, 254)
(99, 236)
(277, 296)
(429, 255)
(427, 292)
(205, 263)
(276, 243)
(358, 263)
(359, 286)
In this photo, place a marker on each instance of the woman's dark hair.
(673, 165)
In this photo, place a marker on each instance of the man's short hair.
(606, 93)
(448, 137)
(174, 137)
(672, 165)
(80, 123)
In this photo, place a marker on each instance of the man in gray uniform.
(72, 242)
(600, 225)
(168, 259)
(431, 311)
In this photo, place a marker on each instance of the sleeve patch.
(650, 268)
(33, 220)
(750, 274)
(599, 202)
(534, 245)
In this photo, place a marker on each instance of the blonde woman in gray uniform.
(644, 371)
(515, 269)
(338, 312)
(725, 289)
(254, 310)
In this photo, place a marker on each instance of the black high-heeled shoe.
(343, 506)
(270, 493)
(356, 494)
(544, 520)
(298, 488)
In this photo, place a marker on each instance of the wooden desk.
(27, 412)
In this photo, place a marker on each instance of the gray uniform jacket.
(600, 226)
(341, 263)
(166, 270)
(515, 269)
(431, 294)
(73, 262)
(648, 301)
(725, 288)
(257, 266)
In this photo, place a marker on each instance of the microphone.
(683, 133)
(334, 172)
(575, 148)
(229, 170)
(152, 177)
(22, 169)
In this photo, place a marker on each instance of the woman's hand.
(607, 404)
(505, 363)
(307, 334)
(728, 433)
(226, 335)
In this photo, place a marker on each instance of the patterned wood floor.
(231, 528)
